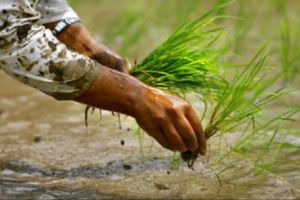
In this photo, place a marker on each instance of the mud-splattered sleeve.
(31, 54)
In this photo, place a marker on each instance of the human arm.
(32, 55)
(170, 120)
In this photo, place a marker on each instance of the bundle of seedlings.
(186, 62)
(189, 61)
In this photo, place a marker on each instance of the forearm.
(34, 56)
(170, 120)
(114, 91)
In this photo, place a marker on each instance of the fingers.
(187, 133)
(109, 58)
(161, 138)
(157, 133)
(180, 132)
(171, 121)
(198, 129)
(123, 66)
(173, 137)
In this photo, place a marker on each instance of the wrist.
(146, 98)
(136, 98)
(63, 24)
(140, 98)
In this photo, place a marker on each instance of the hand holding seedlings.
(161, 123)
(167, 118)
(41, 58)
(189, 61)
(171, 121)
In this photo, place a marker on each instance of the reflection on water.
(46, 152)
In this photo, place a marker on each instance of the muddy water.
(46, 152)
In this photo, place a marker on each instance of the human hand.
(107, 57)
(167, 118)
(171, 121)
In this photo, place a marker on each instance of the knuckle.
(160, 117)
(174, 111)
(121, 65)
(120, 61)
(186, 106)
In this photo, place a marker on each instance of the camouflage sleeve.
(31, 54)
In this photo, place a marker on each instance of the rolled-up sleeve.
(31, 54)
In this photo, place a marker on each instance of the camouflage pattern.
(31, 54)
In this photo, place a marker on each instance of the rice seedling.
(186, 62)
(190, 61)
(261, 139)
(176, 161)
(245, 103)
(236, 104)
(140, 134)
(263, 164)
